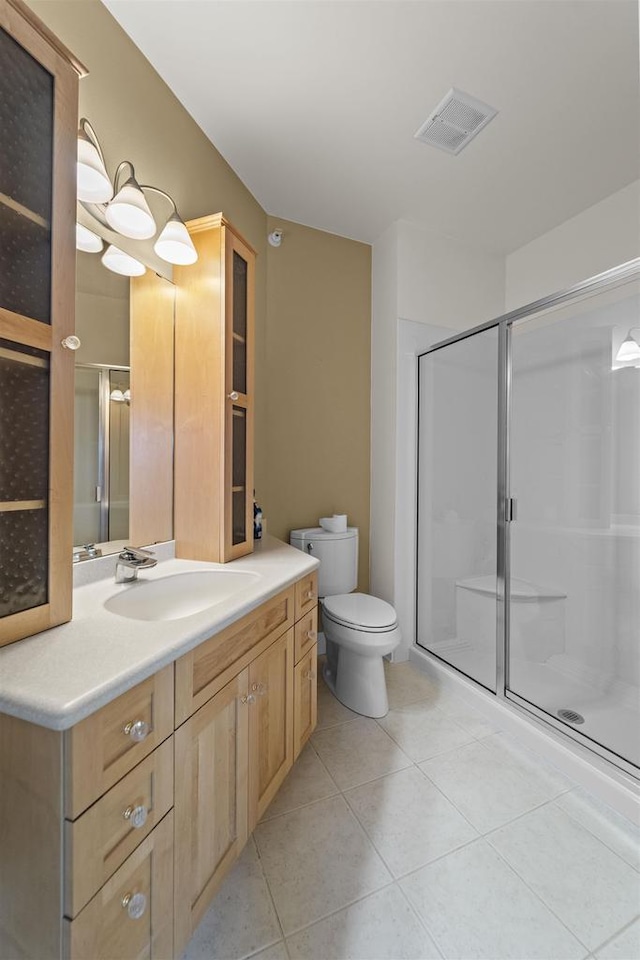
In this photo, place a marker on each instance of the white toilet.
(360, 630)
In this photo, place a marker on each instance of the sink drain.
(570, 716)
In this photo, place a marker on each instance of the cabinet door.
(271, 723)
(38, 117)
(210, 801)
(305, 699)
(239, 282)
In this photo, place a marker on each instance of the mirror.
(123, 407)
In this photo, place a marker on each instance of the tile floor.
(427, 834)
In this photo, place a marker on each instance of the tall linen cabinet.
(214, 363)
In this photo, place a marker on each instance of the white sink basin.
(178, 595)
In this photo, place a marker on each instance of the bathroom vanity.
(137, 755)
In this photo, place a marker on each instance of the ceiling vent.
(455, 122)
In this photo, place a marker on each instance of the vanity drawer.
(202, 672)
(100, 840)
(306, 594)
(306, 634)
(109, 743)
(132, 915)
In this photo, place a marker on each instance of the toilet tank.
(338, 556)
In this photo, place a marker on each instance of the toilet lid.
(361, 610)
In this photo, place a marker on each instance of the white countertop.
(59, 677)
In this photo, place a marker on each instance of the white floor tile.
(590, 888)
(409, 820)
(484, 786)
(531, 767)
(330, 710)
(317, 860)
(406, 684)
(277, 952)
(241, 919)
(358, 751)
(625, 946)
(307, 781)
(620, 834)
(423, 731)
(457, 708)
(476, 907)
(382, 926)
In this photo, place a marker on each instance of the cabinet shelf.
(238, 338)
(8, 506)
(24, 211)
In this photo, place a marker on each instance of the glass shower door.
(457, 504)
(574, 601)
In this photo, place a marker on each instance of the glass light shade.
(120, 262)
(117, 396)
(86, 240)
(174, 243)
(129, 212)
(94, 185)
(629, 350)
(127, 396)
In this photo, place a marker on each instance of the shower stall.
(528, 551)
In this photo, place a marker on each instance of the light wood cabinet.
(270, 724)
(212, 757)
(39, 118)
(305, 698)
(91, 818)
(214, 358)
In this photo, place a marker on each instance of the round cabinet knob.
(234, 395)
(311, 634)
(71, 343)
(311, 595)
(135, 904)
(248, 699)
(259, 688)
(310, 675)
(137, 816)
(137, 730)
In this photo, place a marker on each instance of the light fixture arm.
(124, 164)
(163, 193)
(91, 135)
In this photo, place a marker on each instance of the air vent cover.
(455, 122)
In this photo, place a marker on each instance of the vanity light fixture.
(94, 185)
(120, 262)
(87, 240)
(629, 348)
(128, 213)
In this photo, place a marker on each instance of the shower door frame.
(623, 272)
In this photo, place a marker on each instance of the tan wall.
(313, 341)
(318, 391)
(138, 118)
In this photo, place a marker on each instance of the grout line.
(345, 906)
(423, 923)
(616, 934)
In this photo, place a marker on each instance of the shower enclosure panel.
(458, 411)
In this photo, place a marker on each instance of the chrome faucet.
(130, 560)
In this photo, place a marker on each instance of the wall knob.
(137, 730)
(135, 904)
(71, 343)
(137, 816)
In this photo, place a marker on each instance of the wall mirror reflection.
(125, 326)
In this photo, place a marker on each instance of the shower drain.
(570, 716)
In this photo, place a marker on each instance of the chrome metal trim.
(104, 451)
(592, 285)
(502, 534)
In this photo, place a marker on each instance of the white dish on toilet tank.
(536, 623)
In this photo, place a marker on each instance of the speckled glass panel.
(239, 446)
(24, 544)
(25, 266)
(26, 122)
(239, 295)
(239, 521)
(24, 423)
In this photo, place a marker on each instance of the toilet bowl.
(359, 629)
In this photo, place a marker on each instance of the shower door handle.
(511, 509)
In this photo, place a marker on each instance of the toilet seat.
(361, 612)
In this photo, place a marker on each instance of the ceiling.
(314, 103)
